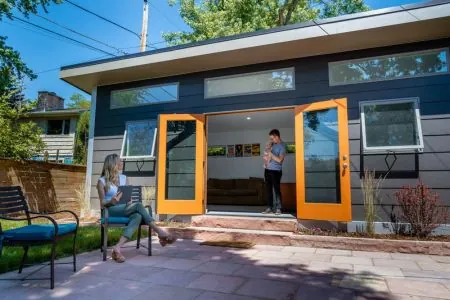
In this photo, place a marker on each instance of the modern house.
(362, 91)
(58, 125)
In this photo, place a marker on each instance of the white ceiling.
(258, 120)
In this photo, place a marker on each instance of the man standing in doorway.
(273, 172)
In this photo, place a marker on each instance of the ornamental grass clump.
(371, 193)
(421, 208)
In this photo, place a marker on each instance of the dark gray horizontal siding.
(432, 166)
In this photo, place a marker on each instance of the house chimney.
(49, 101)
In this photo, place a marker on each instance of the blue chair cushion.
(117, 220)
(38, 232)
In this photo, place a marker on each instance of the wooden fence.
(48, 186)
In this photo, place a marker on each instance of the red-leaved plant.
(421, 208)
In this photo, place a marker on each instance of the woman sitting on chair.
(107, 187)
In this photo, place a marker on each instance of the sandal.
(119, 258)
(163, 241)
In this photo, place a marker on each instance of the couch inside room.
(248, 192)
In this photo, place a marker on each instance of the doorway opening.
(236, 144)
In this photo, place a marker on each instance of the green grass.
(88, 239)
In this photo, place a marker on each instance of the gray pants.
(136, 212)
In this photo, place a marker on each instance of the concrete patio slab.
(187, 270)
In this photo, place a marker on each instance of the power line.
(59, 68)
(64, 36)
(165, 17)
(81, 34)
(103, 18)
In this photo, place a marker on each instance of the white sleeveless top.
(113, 188)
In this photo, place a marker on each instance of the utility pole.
(144, 27)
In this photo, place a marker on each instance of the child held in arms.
(267, 150)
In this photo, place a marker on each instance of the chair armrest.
(32, 218)
(58, 212)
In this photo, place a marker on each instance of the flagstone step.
(249, 223)
(283, 238)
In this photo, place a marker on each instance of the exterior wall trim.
(90, 154)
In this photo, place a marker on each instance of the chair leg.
(149, 249)
(74, 251)
(102, 233)
(52, 266)
(24, 258)
(105, 242)
(138, 237)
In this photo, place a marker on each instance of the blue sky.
(45, 54)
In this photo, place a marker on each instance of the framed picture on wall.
(248, 150)
(230, 151)
(256, 149)
(217, 151)
(239, 150)
(290, 147)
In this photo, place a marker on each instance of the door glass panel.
(321, 154)
(180, 160)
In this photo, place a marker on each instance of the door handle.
(345, 165)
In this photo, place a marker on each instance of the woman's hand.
(115, 199)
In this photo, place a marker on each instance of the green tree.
(19, 139)
(79, 101)
(81, 139)
(11, 65)
(218, 18)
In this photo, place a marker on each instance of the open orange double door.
(322, 162)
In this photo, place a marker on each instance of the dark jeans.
(272, 180)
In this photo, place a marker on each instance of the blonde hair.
(110, 172)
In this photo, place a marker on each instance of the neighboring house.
(59, 126)
(368, 90)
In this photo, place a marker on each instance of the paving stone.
(168, 292)
(307, 292)
(410, 297)
(268, 289)
(441, 259)
(403, 264)
(417, 288)
(299, 249)
(364, 283)
(333, 251)
(218, 268)
(172, 277)
(352, 260)
(319, 266)
(222, 296)
(263, 273)
(146, 260)
(274, 262)
(274, 254)
(217, 283)
(371, 254)
(413, 257)
(179, 264)
(427, 274)
(377, 270)
(426, 266)
(312, 256)
(213, 256)
(269, 247)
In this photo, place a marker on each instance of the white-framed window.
(389, 67)
(391, 125)
(139, 140)
(250, 83)
(146, 95)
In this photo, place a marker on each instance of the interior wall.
(245, 167)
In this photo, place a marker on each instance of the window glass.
(144, 95)
(251, 83)
(391, 125)
(404, 65)
(139, 139)
(55, 126)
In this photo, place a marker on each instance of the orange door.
(322, 161)
(181, 157)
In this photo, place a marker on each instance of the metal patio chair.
(106, 222)
(14, 207)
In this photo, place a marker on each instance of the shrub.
(421, 208)
(371, 192)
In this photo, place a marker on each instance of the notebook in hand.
(127, 194)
